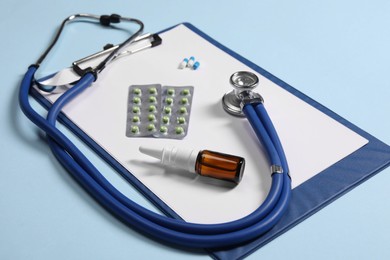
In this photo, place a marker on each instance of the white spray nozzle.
(156, 153)
(174, 157)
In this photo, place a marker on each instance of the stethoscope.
(241, 101)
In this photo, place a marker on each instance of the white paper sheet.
(312, 140)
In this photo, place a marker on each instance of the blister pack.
(143, 113)
(156, 111)
(176, 108)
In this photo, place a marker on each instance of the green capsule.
(136, 110)
(184, 101)
(135, 119)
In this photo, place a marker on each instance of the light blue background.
(337, 52)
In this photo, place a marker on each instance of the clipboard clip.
(64, 79)
(154, 40)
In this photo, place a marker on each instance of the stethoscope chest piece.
(243, 83)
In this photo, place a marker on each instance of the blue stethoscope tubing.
(169, 230)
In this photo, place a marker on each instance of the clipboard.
(322, 189)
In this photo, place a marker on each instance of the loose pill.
(196, 65)
(191, 62)
(183, 64)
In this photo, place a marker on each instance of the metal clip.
(154, 41)
(276, 169)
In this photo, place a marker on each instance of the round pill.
(169, 101)
(136, 110)
(136, 119)
(183, 110)
(165, 119)
(179, 130)
(151, 117)
(134, 129)
(163, 129)
(152, 108)
(137, 91)
(136, 100)
(151, 127)
(181, 120)
(167, 110)
(185, 92)
(152, 91)
(171, 91)
(184, 101)
(152, 99)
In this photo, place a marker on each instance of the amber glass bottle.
(221, 166)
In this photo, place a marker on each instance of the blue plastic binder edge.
(307, 198)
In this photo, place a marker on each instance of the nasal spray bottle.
(206, 163)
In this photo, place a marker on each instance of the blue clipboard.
(307, 198)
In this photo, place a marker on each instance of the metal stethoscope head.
(243, 82)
